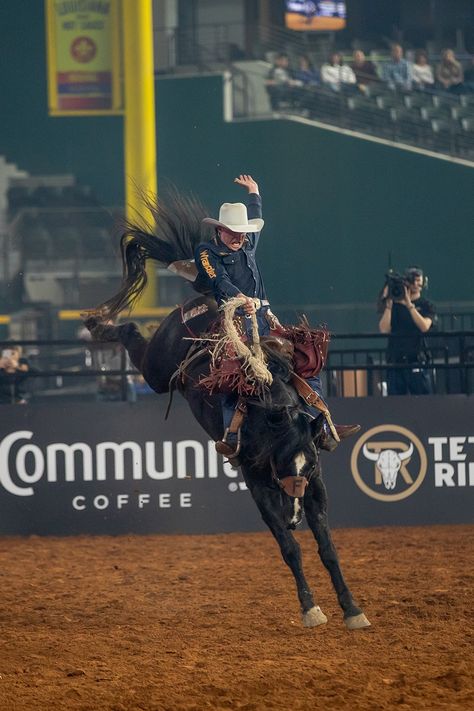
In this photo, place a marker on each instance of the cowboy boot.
(328, 442)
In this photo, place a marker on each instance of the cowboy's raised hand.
(247, 182)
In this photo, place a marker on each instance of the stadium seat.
(36, 243)
(18, 197)
(399, 112)
(460, 112)
(444, 134)
(411, 130)
(465, 139)
(439, 125)
(326, 105)
(467, 100)
(388, 101)
(65, 242)
(416, 100)
(95, 243)
(429, 113)
(362, 114)
(467, 124)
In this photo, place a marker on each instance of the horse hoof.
(314, 617)
(357, 622)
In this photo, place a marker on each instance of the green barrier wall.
(334, 205)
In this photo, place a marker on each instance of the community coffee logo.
(24, 462)
(388, 463)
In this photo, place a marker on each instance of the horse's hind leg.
(127, 334)
(315, 504)
(134, 343)
(269, 503)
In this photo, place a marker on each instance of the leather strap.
(294, 485)
(238, 417)
(311, 398)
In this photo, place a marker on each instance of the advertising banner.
(412, 463)
(103, 468)
(83, 56)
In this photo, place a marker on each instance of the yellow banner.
(83, 56)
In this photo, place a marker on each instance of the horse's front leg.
(276, 510)
(315, 505)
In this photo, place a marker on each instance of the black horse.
(278, 437)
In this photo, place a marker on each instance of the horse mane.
(175, 234)
(284, 422)
(279, 364)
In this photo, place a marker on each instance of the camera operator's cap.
(233, 216)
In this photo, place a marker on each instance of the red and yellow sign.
(83, 57)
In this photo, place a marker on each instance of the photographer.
(406, 316)
(13, 373)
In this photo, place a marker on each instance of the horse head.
(279, 435)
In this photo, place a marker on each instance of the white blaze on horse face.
(300, 461)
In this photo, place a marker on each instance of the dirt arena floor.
(212, 622)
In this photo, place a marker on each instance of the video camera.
(397, 282)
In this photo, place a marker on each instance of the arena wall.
(113, 469)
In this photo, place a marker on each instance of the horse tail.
(175, 236)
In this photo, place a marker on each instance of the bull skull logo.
(399, 462)
(388, 462)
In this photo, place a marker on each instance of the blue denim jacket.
(225, 270)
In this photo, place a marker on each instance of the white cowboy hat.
(233, 216)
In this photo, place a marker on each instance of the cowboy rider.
(230, 265)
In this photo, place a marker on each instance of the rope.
(253, 360)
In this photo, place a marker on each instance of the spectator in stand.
(336, 75)
(397, 71)
(449, 72)
(422, 72)
(280, 83)
(306, 73)
(364, 70)
(13, 373)
(306, 77)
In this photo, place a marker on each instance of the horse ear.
(317, 426)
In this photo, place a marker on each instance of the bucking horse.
(279, 441)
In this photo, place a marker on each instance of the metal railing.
(357, 363)
(356, 366)
(210, 44)
(224, 42)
